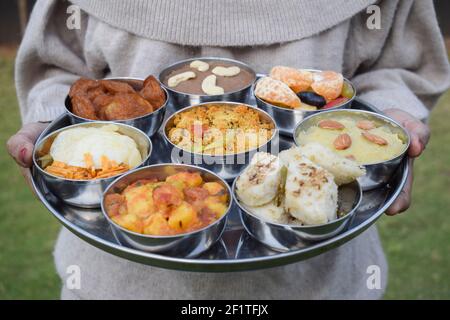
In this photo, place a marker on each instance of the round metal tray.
(236, 251)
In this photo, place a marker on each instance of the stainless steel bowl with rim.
(86, 193)
(225, 166)
(286, 118)
(182, 99)
(186, 245)
(377, 173)
(148, 123)
(286, 237)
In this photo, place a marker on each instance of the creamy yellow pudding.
(363, 140)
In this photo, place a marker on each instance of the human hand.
(420, 134)
(20, 147)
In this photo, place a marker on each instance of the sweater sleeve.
(49, 59)
(412, 68)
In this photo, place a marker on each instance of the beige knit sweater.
(401, 65)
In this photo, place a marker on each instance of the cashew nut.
(226, 72)
(199, 65)
(209, 86)
(178, 78)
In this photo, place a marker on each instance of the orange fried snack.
(115, 100)
(153, 92)
(109, 169)
(123, 106)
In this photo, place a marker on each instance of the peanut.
(178, 78)
(209, 86)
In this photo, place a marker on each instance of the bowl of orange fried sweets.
(135, 102)
(78, 162)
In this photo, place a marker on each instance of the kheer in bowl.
(371, 139)
(206, 79)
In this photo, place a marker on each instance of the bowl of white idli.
(299, 196)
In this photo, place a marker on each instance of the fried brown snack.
(83, 107)
(82, 86)
(114, 87)
(124, 106)
(152, 92)
(95, 92)
(114, 100)
(102, 100)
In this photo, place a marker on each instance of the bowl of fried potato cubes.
(172, 208)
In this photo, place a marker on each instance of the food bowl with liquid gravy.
(183, 98)
(379, 172)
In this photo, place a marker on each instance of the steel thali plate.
(236, 251)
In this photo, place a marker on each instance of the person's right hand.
(20, 147)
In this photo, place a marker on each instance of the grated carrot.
(109, 168)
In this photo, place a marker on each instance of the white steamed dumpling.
(259, 183)
(310, 193)
(344, 170)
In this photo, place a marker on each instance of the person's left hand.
(420, 134)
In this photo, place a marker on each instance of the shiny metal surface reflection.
(237, 250)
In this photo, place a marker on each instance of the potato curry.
(182, 203)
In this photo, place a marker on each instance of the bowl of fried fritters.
(140, 103)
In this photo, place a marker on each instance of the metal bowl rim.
(374, 114)
(302, 111)
(176, 236)
(93, 181)
(203, 104)
(242, 64)
(348, 215)
(122, 120)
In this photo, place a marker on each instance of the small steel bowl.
(181, 245)
(149, 123)
(181, 99)
(286, 118)
(285, 237)
(86, 193)
(227, 166)
(377, 173)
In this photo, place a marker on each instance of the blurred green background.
(416, 242)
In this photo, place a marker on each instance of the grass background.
(417, 242)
